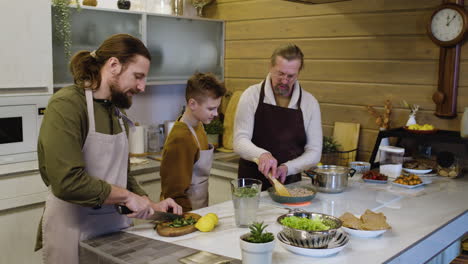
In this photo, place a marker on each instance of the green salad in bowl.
(307, 224)
(309, 229)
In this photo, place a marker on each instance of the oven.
(20, 121)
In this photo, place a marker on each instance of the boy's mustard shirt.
(179, 155)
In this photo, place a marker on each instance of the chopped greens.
(307, 224)
(180, 222)
(246, 191)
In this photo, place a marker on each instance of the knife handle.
(122, 209)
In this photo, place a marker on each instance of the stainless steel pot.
(330, 178)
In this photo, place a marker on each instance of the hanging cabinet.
(179, 46)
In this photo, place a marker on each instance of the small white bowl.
(360, 166)
(364, 233)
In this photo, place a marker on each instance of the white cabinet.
(26, 50)
(179, 46)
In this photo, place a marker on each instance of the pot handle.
(351, 172)
(310, 173)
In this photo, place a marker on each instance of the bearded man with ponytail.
(83, 150)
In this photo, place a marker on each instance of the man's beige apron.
(65, 224)
(198, 190)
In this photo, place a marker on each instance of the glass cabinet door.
(182, 46)
(89, 29)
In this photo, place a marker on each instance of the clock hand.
(448, 23)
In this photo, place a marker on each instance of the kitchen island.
(425, 221)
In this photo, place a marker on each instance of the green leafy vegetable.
(257, 234)
(246, 191)
(307, 224)
(183, 222)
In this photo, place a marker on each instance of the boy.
(187, 156)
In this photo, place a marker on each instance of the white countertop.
(424, 222)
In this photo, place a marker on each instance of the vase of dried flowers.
(382, 120)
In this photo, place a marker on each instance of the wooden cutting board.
(347, 135)
(229, 117)
(164, 229)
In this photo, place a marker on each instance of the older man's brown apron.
(65, 224)
(280, 131)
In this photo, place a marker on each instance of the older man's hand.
(267, 163)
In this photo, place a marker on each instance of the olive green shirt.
(62, 136)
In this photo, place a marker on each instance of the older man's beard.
(119, 98)
(282, 90)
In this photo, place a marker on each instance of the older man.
(278, 123)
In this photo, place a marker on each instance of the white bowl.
(415, 171)
(339, 242)
(364, 233)
(360, 166)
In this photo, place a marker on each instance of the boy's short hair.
(203, 85)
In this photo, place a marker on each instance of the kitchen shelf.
(179, 45)
(440, 136)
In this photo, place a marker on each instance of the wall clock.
(447, 28)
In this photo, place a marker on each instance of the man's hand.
(267, 162)
(164, 206)
(140, 205)
(282, 172)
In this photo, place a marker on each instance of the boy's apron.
(65, 224)
(198, 190)
(280, 131)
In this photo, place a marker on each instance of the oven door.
(18, 133)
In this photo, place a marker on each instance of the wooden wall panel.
(385, 47)
(357, 52)
(232, 10)
(373, 24)
(364, 93)
(367, 71)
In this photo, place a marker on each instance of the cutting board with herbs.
(178, 227)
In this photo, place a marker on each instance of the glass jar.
(391, 160)
(153, 138)
(447, 165)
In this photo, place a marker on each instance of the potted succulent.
(213, 130)
(257, 246)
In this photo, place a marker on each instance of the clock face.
(446, 24)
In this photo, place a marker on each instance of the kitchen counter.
(424, 221)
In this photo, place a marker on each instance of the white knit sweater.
(244, 125)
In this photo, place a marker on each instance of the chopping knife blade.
(158, 215)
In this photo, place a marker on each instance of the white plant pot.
(256, 253)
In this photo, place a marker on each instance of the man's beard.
(282, 90)
(119, 98)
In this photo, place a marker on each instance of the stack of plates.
(338, 243)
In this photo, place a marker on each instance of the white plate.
(424, 182)
(414, 171)
(375, 181)
(339, 242)
(364, 233)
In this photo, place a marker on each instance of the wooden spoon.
(279, 188)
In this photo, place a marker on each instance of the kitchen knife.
(158, 215)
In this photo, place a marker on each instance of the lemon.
(213, 216)
(319, 164)
(205, 224)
